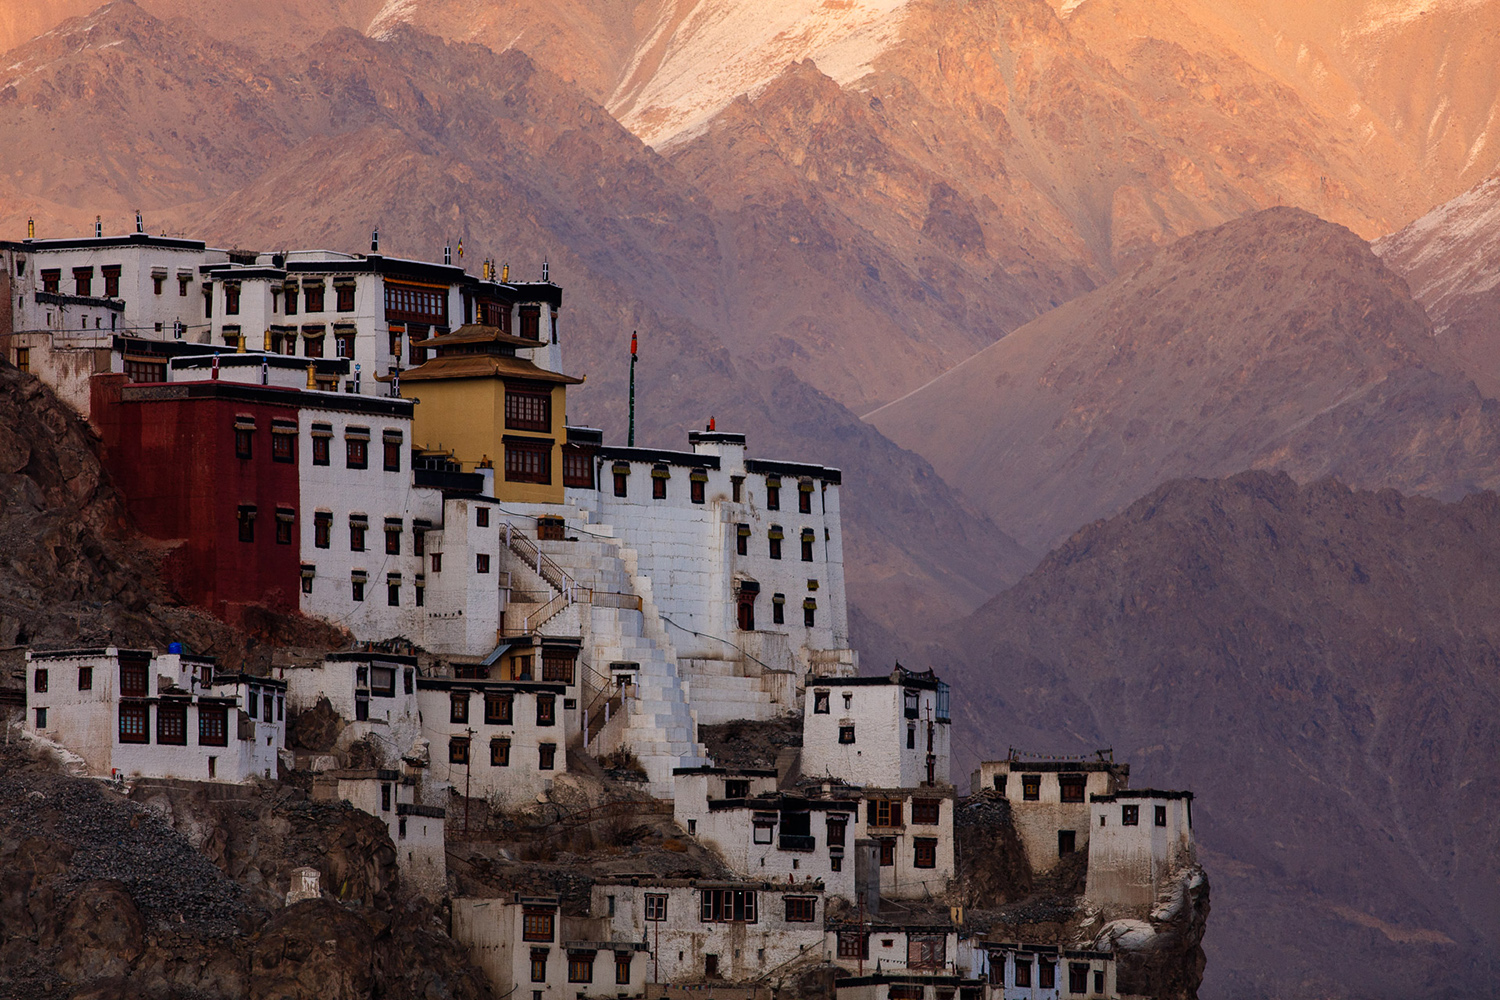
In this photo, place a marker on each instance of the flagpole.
(631, 439)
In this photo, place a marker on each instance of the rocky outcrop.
(1161, 954)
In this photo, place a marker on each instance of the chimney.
(375, 240)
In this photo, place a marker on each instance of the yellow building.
(483, 404)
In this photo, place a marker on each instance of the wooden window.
(345, 295)
(414, 303)
(135, 724)
(546, 709)
(801, 909)
(1046, 974)
(1067, 842)
(528, 462)
(213, 725)
(312, 345)
(742, 539)
(773, 493)
(85, 678)
(926, 853)
(1098, 981)
(837, 831)
(697, 481)
(343, 344)
(997, 968)
(39, 681)
(622, 479)
(774, 536)
(578, 468)
(804, 498)
(481, 562)
(171, 724)
(1078, 977)
(482, 517)
(41, 718)
(528, 409)
(357, 453)
(557, 666)
(656, 907)
(144, 371)
(1161, 815)
(244, 441)
(312, 297)
(531, 322)
(83, 280)
(392, 539)
(925, 812)
(622, 968)
(546, 756)
(246, 516)
(500, 752)
(1001, 780)
(1070, 786)
(23, 360)
(458, 750)
(539, 964)
(1023, 970)
(846, 733)
(458, 706)
(580, 966)
(727, 906)
(498, 708)
(926, 951)
(320, 449)
(285, 520)
(357, 582)
(854, 944)
(231, 300)
(357, 527)
(392, 456)
(905, 991)
(1130, 815)
(885, 812)
(385, 796)
(887, 852)
(322, 529)
(51, 278)
(283, 443)
(809, 613)
(1031, 787)
(658, 487)
(807, 544)
(820, 702)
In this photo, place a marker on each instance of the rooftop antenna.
(140, 226)
(98, 226)
(630, 440)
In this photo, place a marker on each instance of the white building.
(527, 947)
(1138, 840)
(888, 732)
(1049, 800)
(135, 713)
(1047, 972)
(876, 946)
(913, 829)
(374, 694)
(716, 932)
(416, 829)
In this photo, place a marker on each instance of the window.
(801, 909)
(622, 478)
(1161, 815)
(85, 678)
(244, 439)
(312, 297)
(926, 951)
(343, 343)
(401, 828)
(887, 852)
(765, 831)
(905, 991)
(656, 907)
(50, 280)
(482, 517)
(546, 756)
(283, 442)
(710, 966)
(809, 612)
(41, 718)
(884, 812)
(539, 964)
(926, 853)
(458, 750)
(284, 521)
(578, 468)
(778, 609)
(557, 666)
(357, 581)
(727, 906)
(320, 449)
(773, 493)
(1078, 977)
(500, 752)
(1130, 815)
(392, 538)
(171, 724)
(1023, 970)
(1098, 981)
(322, 528)
(854, 944)
(659, 477)
(393, 593)
(1067, 842)
(911, 736)
(528, 409)
(357, 450)
(231, 300)
(23, 359)
(419, 538)
(481, 563)
(846, 733)
(213, 725)
(528, 462)
(252, 702)
(622, 968)
(385, 796)
(925, 812)
(497, 708)
(458, 706)
(357, 526)
(697, 481)
(804, 497)
(135, 723)
(83, 280)
(546, 710)
(807, 544)
(1071, 787)
(246, 517)
(745, 607)
(820, 702)
(997, 968)
(580, 966)
(837, 827)
(1046, 978)
(742, 539)
(39, 681)
(736, 788)
(312, 345)
(530, 322)
(774, 536)
(392, 456)
(345, 295)
(1031, 787)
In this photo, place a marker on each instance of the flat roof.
(349, 402)
(1141, 793)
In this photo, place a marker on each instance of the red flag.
(632, 343)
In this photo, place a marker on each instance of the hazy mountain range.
(951, 217)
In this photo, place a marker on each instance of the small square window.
(458, 750)
(1130, 815)
(1161, 815)
(39, 681)
(547, 756)
(820, 702)
(359, 589)
(482, 517)
(846, 734)
(481, 563)
(41, 718)
(1031, 787)
(85, 678)
(926, 853)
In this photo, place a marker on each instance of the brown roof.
(484, 366)
(476, 333)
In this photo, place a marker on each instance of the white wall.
(523, 779)
(880, 754)
(1128, 865)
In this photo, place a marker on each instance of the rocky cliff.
(1319, 665)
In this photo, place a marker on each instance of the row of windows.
(499, 707)
(1131, 816)
(458, 753)
(1045, 973)
(774, 537)
(359, 526)
(889, 812)
(1070, 786)
(357, 582)
(83, 280)
(745, 610)
(246, 515)
(171, 724)
(284, 444)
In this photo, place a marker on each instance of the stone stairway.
(719, 691)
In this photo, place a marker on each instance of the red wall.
(174, 460)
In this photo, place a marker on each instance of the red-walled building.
(212, 468)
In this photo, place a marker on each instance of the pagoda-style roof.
(475, 335)
(455, 366)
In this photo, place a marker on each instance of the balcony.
(797, 842)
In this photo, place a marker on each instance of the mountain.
(1320, 666)
(1451, 259)
(436, 143)
(1275, 341)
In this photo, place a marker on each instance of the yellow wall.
(467, 417)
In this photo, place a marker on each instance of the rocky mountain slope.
(1451, 259)
(1275, 341)
(1319, 664)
